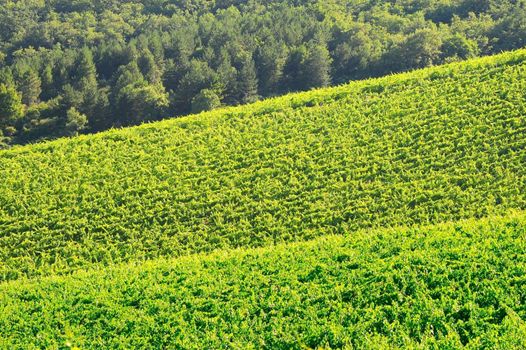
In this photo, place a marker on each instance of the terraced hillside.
(440, 287)
(433, 145)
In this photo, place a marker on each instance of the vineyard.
(191, 232)
(437, 287)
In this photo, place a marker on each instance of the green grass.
(439, 287)
(434, 145)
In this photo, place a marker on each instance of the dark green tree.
(84, 66)
(47, 83)
(247, 81)
(459, 47)
(75, 122)
(293, 70)
(87, 97)
(270, 61)
(141, 102)
(356, 52)
(128, 75)
(205, 100)
(420, 49)
(149, 67)
(226, 77)
(316, 67)
(511, 29)
(30, 87)
(198, 76)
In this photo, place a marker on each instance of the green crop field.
(434, 145)
(439, 287)
(190, 233)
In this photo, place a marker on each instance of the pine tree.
(75, 122)
(128, 75)
(85, 67)
(156, 47)
(86, 84)
(149, 67)
(84, 93)
(30, 87)
(48, 88)
(293, 70)
(247, 86)
(270, 59)
(227, 78)
(316, 68)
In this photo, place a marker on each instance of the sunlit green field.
(438, 287)
(335, 167)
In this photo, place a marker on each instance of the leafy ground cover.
(433, 145)
(448, 286)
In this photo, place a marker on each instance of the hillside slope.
(442, 287)
(433, 145)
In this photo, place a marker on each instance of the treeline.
(69, 67)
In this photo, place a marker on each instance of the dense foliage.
(84, 66)
(438, 144)
(445, 287)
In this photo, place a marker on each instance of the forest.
(82, 66)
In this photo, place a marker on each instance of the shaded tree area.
(81, 66)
